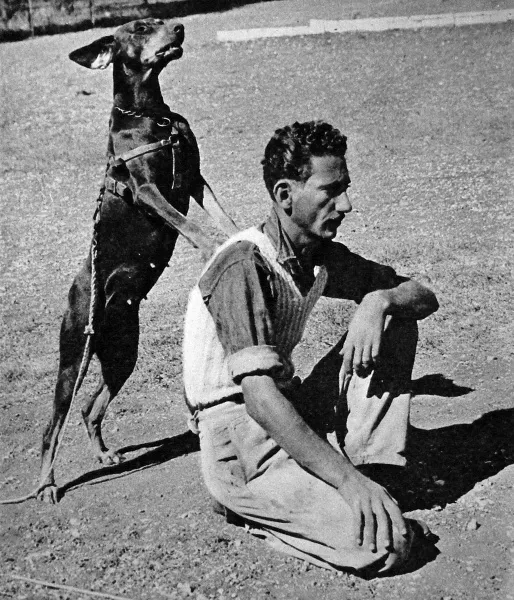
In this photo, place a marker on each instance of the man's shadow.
(444, 463)
(447, 462)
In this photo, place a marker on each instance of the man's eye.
(141, 29)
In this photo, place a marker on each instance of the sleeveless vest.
(207, 377)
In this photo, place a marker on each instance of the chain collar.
(161, 122)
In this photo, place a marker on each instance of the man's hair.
(288, 153)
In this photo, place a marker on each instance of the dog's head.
(145, 44)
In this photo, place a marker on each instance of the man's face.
(320, 204)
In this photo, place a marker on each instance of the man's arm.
(380, 292)
(373, 508)
(361, 350)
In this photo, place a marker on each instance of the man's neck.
(303, 246)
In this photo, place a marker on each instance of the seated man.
(263, 436)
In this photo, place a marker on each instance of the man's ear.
(97, 55)
(283, 194)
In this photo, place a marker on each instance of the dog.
(153, 170)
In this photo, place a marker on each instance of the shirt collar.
(280, 240)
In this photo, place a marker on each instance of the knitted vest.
(207, 376)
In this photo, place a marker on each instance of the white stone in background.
(318, 26)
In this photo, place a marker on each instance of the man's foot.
(231, 517)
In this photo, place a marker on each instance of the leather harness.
(119, 188)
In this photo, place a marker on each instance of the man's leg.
(371, 419)
(373, 416)
(246, 471)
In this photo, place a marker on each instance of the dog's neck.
(134, 90)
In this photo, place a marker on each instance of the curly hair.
(288, 153)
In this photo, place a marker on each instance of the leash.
(86, 356)
(118, 189)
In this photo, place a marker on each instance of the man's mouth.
(334, 223)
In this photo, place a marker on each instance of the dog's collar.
(160, 120)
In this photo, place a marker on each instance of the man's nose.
(343, 204)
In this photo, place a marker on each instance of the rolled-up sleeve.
(238, 293)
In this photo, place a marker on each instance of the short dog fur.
(143, 196)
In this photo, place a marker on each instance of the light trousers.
(246, 471)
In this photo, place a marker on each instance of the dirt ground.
(429, 120)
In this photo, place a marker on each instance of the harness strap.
(116, 187)
(120, 189)
(140, 150)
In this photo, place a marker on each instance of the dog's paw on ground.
(110, 457)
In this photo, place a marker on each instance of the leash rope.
(86, 357)
(118, 189)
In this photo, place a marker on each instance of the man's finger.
(396, 517)
(384, 528)
(369, 536)
(366, 361)
(358, 524)
(357, 359)
(375, 353)
(347, 368)
(346, 382)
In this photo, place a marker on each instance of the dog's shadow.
(445, 462)
(161, 451)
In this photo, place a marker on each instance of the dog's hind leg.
(116, 348)
(93, 413)
(71, 345)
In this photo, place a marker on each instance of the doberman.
(153, 170)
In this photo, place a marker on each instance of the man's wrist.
(379, 301)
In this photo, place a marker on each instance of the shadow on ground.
(445, 463)
(161, 451)
(448, 462)
(437, 384)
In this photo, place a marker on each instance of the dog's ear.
(97, 55)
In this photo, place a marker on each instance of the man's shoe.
(231, 517)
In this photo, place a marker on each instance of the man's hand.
(409, 300)
(375, 512)
(362, 345)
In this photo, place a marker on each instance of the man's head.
(306, 175)
(289, 152)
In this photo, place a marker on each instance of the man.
(263, 436)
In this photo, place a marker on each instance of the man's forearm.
(409, 300)
(274, 413)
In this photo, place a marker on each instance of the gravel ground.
(428, 115)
